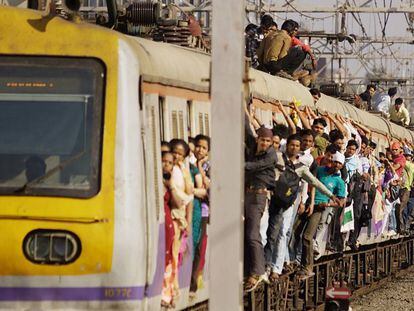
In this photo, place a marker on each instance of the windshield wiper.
(57, 168)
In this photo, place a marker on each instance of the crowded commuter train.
(83, 112)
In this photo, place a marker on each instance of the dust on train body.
(81, 191)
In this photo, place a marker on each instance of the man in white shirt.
(382, 102)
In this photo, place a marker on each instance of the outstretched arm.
(288, 119)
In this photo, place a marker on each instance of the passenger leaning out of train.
(260, 164)
(409, 180)
(321, 204)
(181, 187)
(318, 128)
(169, 288)
(200, 211)
(285, 203)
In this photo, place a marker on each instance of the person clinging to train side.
(260, 164)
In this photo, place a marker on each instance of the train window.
(201, 123)
(181, 120)
(207, 125)
(174, 121)
(189, 114)
(50, 126)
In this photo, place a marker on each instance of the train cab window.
(50, 126)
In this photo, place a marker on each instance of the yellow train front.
(75, 228)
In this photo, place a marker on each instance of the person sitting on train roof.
(316, 94)
(277, 57)
(251, 43)
(269, 31)
(266, 24)
(363, 100)
(399, 114)
(382, 101)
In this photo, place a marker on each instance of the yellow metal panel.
(26, 32)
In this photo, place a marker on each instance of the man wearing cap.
(260, 164)
(318, 127)
(398, 159)
(399, 114)
(331, 178)
(408, 178)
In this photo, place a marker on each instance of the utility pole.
(227, 156)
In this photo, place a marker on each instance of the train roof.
(183, 67)
(187, 68)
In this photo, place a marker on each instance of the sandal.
(252, 283)
(165, 305)
(290, 267)
(274, 277)
(304, 274)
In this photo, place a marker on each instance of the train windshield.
(51, 113)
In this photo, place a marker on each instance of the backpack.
(355, 189)
(287, 185)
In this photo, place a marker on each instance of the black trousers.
(337, 238)
(289, 63)
(254, 206)
(399, 209)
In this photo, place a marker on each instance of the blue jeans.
(272, 233)
(409, 213)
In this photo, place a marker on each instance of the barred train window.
(207, 125)
(174, 121)
(201, 123)
(181, 119)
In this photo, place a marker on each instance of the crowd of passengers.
(186, 178)
(279, 52)
(313, 185)
(310, 187)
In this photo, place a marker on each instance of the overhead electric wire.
(308, 16)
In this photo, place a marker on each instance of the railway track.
(361, 272)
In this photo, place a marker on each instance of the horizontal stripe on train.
(71, 293)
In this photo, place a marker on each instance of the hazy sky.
(373, 24)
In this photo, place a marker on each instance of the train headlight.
(55, 247)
